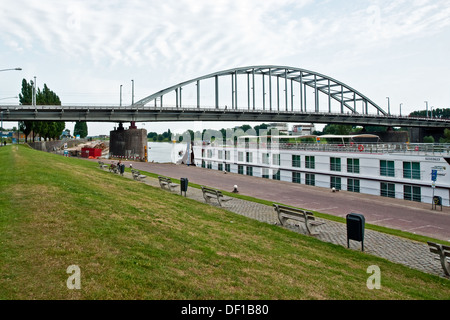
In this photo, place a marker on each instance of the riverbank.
(134, 241)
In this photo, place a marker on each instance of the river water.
(163, 152)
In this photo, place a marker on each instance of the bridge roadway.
(398, 214)
(152, 114)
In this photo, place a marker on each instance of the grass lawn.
(133, 241)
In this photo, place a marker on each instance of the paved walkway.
(410, 253)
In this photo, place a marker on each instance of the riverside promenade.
(396, 249)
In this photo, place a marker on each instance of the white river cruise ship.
(413, 172)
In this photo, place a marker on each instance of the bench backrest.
(288, 210)
(212, 191)
(168, 180)
(439, 248)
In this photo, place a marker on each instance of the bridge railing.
(201, 109)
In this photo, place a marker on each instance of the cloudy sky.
(84, 50)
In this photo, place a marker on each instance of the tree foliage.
(432, 113)
(80, 129)
(45, 129)
(338, 129)
(446, 137)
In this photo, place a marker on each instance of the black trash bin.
(437, 201)
(184, 185)
(355, 228)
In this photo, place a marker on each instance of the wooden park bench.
(137, 175)
(307, 217)
(443, 253)
(102, 165)
(209, 193)
(113, 168)
(166, 183)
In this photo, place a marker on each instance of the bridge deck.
(150, 114)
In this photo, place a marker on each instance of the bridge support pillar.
(128, 144)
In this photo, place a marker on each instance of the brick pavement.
(399, 250)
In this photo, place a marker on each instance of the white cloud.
(151, 32)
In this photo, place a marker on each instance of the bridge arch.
(321, 85)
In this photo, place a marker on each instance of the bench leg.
(281, 219)
(311, 228)
(445, 264)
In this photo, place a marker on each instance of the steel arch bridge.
(346, 96)
(254, 94)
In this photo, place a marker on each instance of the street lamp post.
(33, 98)
(120, 95)
(132, 92)
(426, 102)
(389, 105)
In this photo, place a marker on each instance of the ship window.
(296, 161)
(310, 162)
(412, 193)
(353, 165)
(335, 164)
(241, 169)
(276, 175)
(353, 185)
(276, 159)
(220, 167)
(265, 173)
(387, 190)
(240, 156)
(249, 171)
(387, 168)
(296, 177)
(335, 182)
(249, 157)
(310, 179)
(265, 158)
(411, 170)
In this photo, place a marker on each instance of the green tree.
(435, 113)
(45, 129)
(25, 98)
(150, 135)
(80, 129)
(337, 129)
(446, 137)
